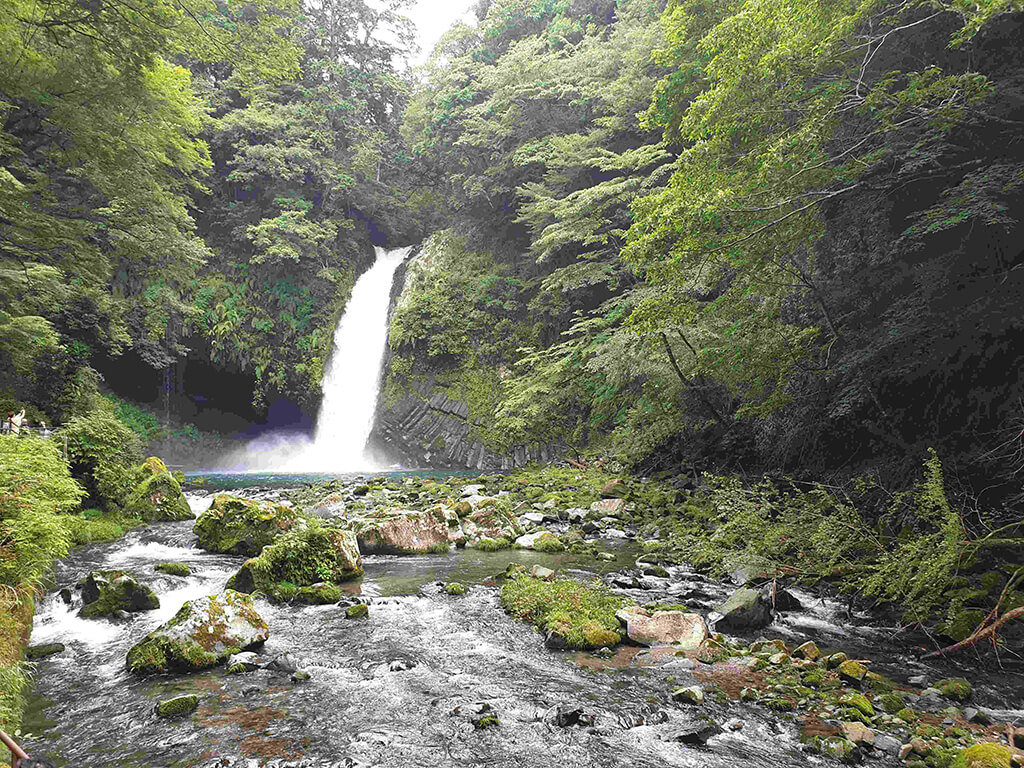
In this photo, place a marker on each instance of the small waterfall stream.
(351, 386)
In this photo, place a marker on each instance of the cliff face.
(434, 407)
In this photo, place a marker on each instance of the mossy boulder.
(890, 702)
(745, 609)
(157, 496)
(358, 611)
(541, 541)
(852, 672)
(237, 526)
(407, 532)
(858, 702)
(178, 706)
(174, 569)
(956, 688)
(986, 755)
(302, 557)
(34, 652)
(490, 521)
(203, 633)
(455, 588)
(108, 592)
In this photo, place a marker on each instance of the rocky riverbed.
(436, 675)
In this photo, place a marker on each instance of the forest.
(769, 252)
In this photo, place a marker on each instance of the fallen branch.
(983, 633)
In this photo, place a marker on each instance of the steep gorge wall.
(427, 424)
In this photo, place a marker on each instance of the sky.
(432, 19)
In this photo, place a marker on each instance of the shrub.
(104, 454)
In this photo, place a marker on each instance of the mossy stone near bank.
(178, 706)
(157, 497)
(237, 526)
(174, 569)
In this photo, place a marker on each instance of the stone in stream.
(541, 541)
(34, 652)
(696, 731)
(204, 633)
(745, 609)
(406, 531)
(301, 556)
(333, 505)
(108, 592)
(490, 521)
(687, 630)
(178, 706)
(246, 661)
(157, 497)
(693, 694)
(237, 526)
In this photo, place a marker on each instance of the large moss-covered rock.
(106, 593)
(241, 526)
(204, 633)
(745, 609)
(987, 755)
(157, 497)
(407, 532)
(178, 706)
(302, 557)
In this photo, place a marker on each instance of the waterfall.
(350, 385)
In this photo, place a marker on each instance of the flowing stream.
(351, 385)
(403, 688)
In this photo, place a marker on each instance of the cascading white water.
(351, 384)
(352, 380)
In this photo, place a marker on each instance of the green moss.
(852, 671)
(178, 706)
(493, 545)
(455, 588)
(110, 592)
(442, 548)
(957, 688)
(34, 652)
(358, 611)
(548, 542)
(157, 496)
(986, 755)
(858, 702)
(487, 721)
(890, 702)
(242, 527)
(582, 615)
(319, 594)
(174, 569)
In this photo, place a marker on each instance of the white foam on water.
(198, 504)
(149, 552)
(57, 622)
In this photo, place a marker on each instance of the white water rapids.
(351, 385)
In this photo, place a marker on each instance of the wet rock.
(541, 541)
(173, 569)
(178, 706)
(320, 593)
(745, 609)
(686, 630)
(784, 600)
(358, 611)
(65, 595)
(283, 663)
(472, 490)
(615, 533)
(930, 700)
(980, 716)
(591, 527)
(858, 733)
(735, 724)
(490, 521)
(34, 652)
(886, 743)
(693, 694)
(614, 508)
(615, 489)
(107, 593)
(401, 665)
(237, 526)
(534, 517)
(698, 731)
(407, 532)
(247, 661)
(852, 672)
(157, 497)
(808, 650)
(302, 557)
(300, 676)
(575, 515)
(956, 688)
(567, 715)
(332, 506)
(204, 633)
(605, 556)
(542, 573)
(918, 680)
